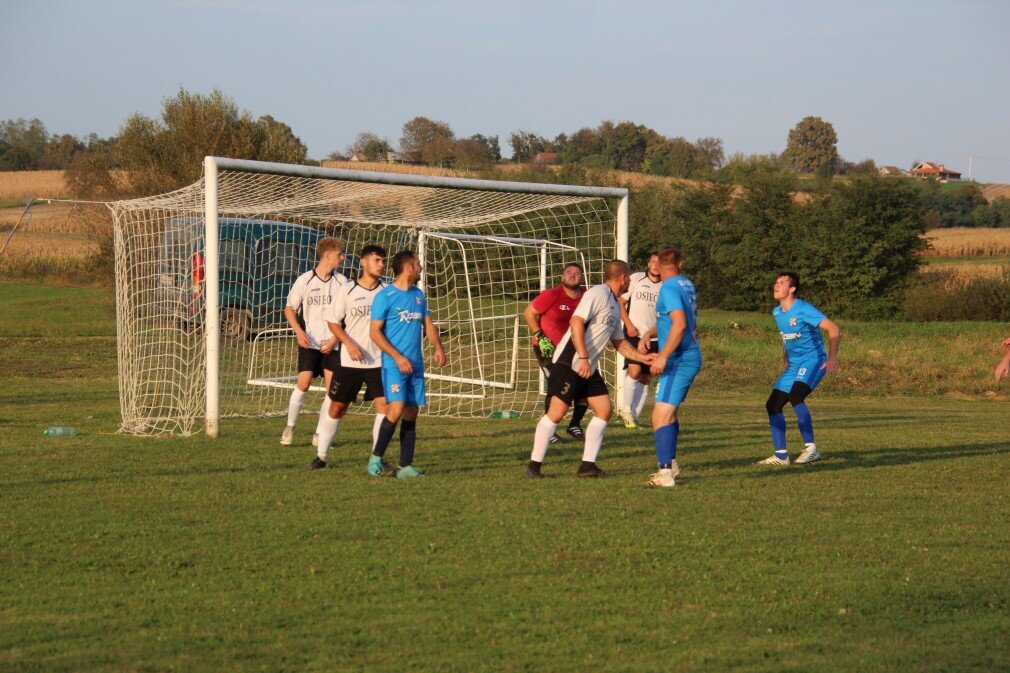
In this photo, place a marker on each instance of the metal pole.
(212, 321)
(622, 253)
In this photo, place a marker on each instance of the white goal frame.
(212, 327)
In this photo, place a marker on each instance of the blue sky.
(900, 81)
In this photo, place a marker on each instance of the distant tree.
(525, 145)
(23, 143)
(469, 154)
(439, 152)
(864, 167)
(492, 145)
(371, 146)
(674, 157)
(709, 153)
(60, 151)
(628, 148)
(420, 132)
(582, 144)
(812, 147)
(276, 141)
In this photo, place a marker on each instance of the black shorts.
(347, 381)
(313, 360)
(567, 386)
(545, 363)
(634, 341)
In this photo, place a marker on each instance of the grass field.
(125, 553)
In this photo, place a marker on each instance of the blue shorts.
(677, 378)
(406, 388)
(805, 371)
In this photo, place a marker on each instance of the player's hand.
(327, 347)
(583, 368)
(650, 358)
(440, 358)
(354, 352)
(543, 345)
(632, 331)
(403, 364)
(658, 364)
(303, 339)
(1002, 370)
(643, 346)
(830, 366)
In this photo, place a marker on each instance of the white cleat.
(287, 436)
(315, 439)
(662, 479)
(630, 422)
(809, 454)
(774, 460)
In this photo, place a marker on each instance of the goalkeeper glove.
(544, 345)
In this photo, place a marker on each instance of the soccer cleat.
(630, 422)
(533, 473)
(408, 472)
(317, 463)
(556, 438)
(287, 436)
(775, 460)
(575, 432)
(593, 472)
(808, 455)
(315, 439)
(664, 479)
(376, 466)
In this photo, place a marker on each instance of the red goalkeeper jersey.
(555, 308)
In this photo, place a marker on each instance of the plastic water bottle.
(502, 413)
(56, 431)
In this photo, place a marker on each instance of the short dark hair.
(575, 264)
(400, 259)
(669, 257)
(794, 279)
(615, 268)
(654, 253)
(373, 250)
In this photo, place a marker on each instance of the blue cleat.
(408, 472)
(376, 467)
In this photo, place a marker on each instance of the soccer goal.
(202, 276)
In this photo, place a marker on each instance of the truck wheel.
(235, 323)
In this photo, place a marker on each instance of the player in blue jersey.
(678, 362)
(806, 364)
(399, 319)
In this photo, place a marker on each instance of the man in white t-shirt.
(575, 371)
(350, 320)
(638, 311)
(308, 304)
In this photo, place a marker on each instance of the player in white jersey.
(638, 311)
(575, 372)
(350, 319)
(308, 304)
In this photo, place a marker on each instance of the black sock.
(586, 466)
(385, 436)
(578, 413)
(407, 437)
(535, 465)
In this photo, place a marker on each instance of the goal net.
(203, 274)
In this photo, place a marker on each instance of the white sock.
(327, 430)
(642, 396)
(594, 439)
(542, 439)
(324, 412)
(630, 389)
(375, 428)
(295, 406)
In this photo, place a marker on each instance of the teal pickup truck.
(259, 261)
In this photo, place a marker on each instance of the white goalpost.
(202, 276)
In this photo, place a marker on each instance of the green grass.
(961, 261)
(125, 553)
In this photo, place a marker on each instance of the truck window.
(234, 256)
(280, 259)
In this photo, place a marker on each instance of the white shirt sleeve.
(618, 333)
(297, 293)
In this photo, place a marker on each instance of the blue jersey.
(678, 293)
(801, 335)
(403, 312)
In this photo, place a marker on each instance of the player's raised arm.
(380, 340)
(431, 332)
(834, 340)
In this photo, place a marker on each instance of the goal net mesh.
(485, 255)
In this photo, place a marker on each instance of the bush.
(981, 299)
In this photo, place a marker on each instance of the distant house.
(891, 170)
(358, 156)
(546, 158)
(929, 169)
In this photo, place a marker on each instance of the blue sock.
(676, 434)
(778, 425)
(662, 438)
(805, 422)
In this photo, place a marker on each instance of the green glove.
(545, 345)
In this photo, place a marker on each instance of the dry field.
(956, 276)
(995, 191)
(25, 184)
(969, 242)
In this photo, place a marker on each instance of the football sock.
(324, 412)
(594, 439)
(327, 430)
(578, 414)
(664, 440)
(295, 406)
(778, 427)
(805, 422)
(642, 396)
(385, 436)
(542, 438)
(630, 391)
(673, 443)
(375, 428)
(408, 435)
